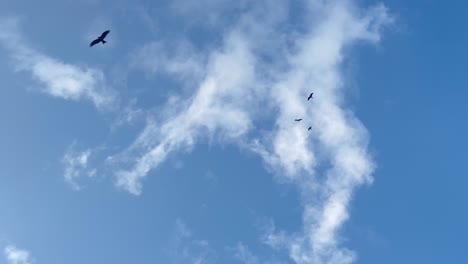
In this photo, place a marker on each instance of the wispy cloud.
(59, 79)
(15, 255)
(338, 136)
(128, 115)
(244, 255)
(187, 249)
(194, 12)
(176, 59)
(214, 108)
(76, 165)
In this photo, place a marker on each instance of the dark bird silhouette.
(309, 128)
(100, 38)
(310, 96)
(297, 120)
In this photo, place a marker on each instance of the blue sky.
(175, 142)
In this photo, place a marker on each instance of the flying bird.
(297, 120)
(309, 128)
(100, 38)
(310, 96)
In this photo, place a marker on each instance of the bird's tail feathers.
(104, 42)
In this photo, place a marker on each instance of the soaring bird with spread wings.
(100, 38)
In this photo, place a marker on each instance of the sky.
(175, 142)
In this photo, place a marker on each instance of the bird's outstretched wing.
(104, 34)
(96, 41)
(297, 120)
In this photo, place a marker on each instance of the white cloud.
(15, 255)
(194, 12)
(184, 248)
(177, 59)
(76, 165)
(146, 17)
(337, 134)
(244, 255)
(60, 79)
(128, 115)
(214, 108)
(264, 72)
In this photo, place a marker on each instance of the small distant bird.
(310, 96)
(297, 120)
(100, 38)
(309, 128)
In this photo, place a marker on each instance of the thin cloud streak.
(60, 79)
